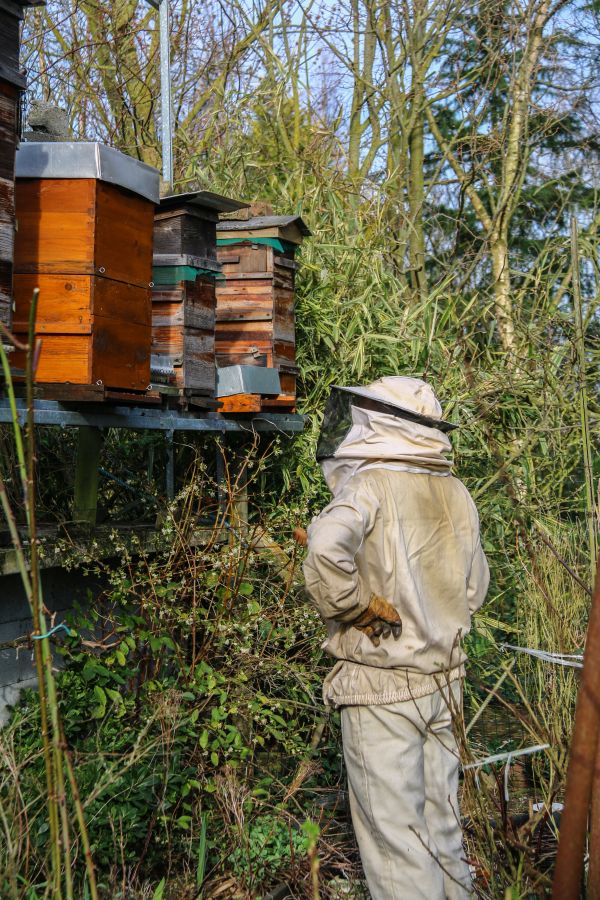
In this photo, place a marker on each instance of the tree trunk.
(416, 196)
(502, 295)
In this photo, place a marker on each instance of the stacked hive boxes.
(12, 83)
(183, 294)
(85, 217)
(255, 300)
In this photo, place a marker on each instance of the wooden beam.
(85, 503)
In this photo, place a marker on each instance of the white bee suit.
(402, 527)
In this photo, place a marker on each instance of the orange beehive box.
(256, 297)
(85, 218)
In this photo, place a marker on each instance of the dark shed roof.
(11, 13)
(202, 199)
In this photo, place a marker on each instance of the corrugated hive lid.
(86, 159)
(202, 199)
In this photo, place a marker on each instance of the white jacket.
(400, 526)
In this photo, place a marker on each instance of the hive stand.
(92, 420)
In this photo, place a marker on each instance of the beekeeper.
(396, 569)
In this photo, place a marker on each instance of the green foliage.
(190, 673)
(268, 846)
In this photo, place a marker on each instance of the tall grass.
(57, 762)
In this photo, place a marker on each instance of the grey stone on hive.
(47, 122)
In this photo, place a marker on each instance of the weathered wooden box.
(12, 84)
(85, 220)
(183, 293)
(255, 300)
(183, 330)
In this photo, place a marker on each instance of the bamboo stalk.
(62, 847)
(586, 441)
(32, 586)
(85, 840)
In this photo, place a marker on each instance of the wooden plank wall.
(183, 330)
(9, 117)
(185, 232)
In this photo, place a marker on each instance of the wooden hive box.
(85, 218)
(256, 297)
(183, 293)
(12, 85)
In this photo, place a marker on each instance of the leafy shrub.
(193, 663)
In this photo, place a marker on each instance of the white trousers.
(402, 764)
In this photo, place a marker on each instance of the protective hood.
(379, 440)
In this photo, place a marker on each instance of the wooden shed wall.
(10, 96)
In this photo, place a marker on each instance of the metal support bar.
(85, 503)
(51, 412)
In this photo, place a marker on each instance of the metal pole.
(165, 96)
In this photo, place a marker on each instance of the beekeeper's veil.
(393, 423)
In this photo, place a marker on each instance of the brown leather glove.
(379, 619)
(300, 536)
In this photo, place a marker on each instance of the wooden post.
(580, 774)
(170, 466)
(241, 510)
(239, 500)
(85, 503)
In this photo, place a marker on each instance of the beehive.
(85, 219)
(183, 294)
(255, 300)
(12, 84)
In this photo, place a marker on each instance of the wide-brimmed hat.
(411, 398)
